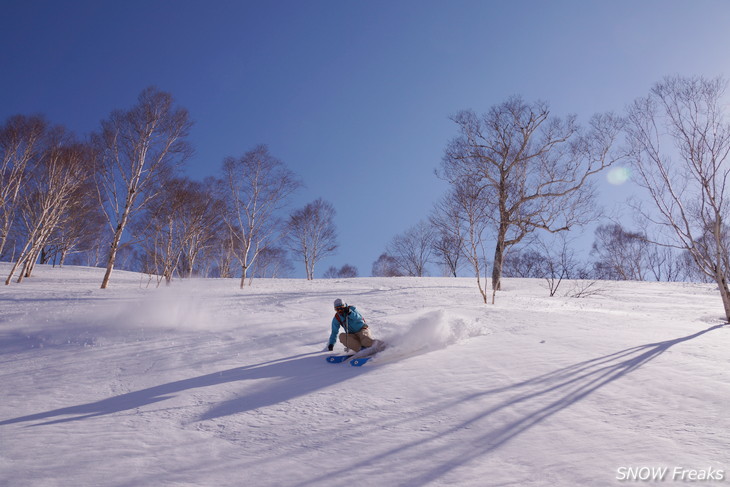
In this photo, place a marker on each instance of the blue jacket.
(353, 322)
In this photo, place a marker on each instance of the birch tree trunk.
(532, 169)
(256, 187)
(21, 142)
(311, 233)
(61, 171)
(139, 148)
(686, 185)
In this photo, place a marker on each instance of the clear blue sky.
(354, 96)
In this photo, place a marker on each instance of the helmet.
(339, 303)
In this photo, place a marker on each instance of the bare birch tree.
(82, 225)
(20, 144)
(52, 188)
(312, 234)
(138, 148)
(160, 232)
(226, 255)
(448, 243)
(622, 255)
(272, 263)
(345, 272)
(534, 168)
(257, 187)
(386, 266)
(412, 249)
(178, 226)
(680, 136)
(469, 198)
(526, 263)
(200, 216)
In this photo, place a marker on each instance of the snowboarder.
(356, 335)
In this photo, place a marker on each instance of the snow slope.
(204, 384)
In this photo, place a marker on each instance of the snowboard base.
(338, 359)
(359, 362)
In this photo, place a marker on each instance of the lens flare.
(618, 175)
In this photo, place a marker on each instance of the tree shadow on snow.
(531, 401)
(291, 377)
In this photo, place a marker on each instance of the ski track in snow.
(204, 384)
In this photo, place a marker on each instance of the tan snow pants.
(356, 341)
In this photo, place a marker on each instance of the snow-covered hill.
(204, 384)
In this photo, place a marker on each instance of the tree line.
(522, 178)
(119, 195)
(519, 177)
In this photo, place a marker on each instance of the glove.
(330, 347)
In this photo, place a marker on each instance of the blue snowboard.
(338, 359)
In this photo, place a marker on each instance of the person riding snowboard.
(356, 335)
